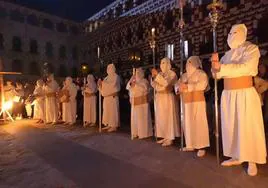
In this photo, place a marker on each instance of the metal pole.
(214, 8)
(100, 105)
(181, 26)
(132, 104)
(153, 45)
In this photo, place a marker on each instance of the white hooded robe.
(39, 106)
(241, 116)
(195, 117)
(69, 108)
(90, 101)
(167, 121)
(141, 121)
(109, 90)
(51, 102)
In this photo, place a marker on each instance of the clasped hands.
(99, 83)
(183, 87)
(215, 63)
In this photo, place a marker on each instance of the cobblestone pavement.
(58, 156)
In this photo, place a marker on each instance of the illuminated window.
(170, 51)
(186, 48)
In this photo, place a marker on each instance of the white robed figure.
(242, 124)
(69, 106)
(141, 122)
(89, 93)
(51, 88)
(167, 120)
(39, 104)
(192, 86)
(109, 89)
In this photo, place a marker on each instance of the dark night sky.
(78, 10)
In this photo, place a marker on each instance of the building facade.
(122, 38)
(30, 38)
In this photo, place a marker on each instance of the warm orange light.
(7, 105)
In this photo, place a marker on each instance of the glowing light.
(16, 99)
(7, 105)
(153, 31)
(84, 67)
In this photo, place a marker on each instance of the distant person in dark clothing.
(79, 98)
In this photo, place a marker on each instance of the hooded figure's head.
(193, 63)
(165, 65)
(40, 83)
(68, 81)
(90, 78)
(237, 36)
(139, 74)
(111, 69)
(9, 83)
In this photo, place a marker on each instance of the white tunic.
(39, 106)
(242, 124)
(69, 108)
(167, 121)
(111, 85)
(141, 121)
(195, 117)
(51, 102)
(90, 103)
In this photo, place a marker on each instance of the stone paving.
(45, 156)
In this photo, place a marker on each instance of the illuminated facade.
(119, 38)
(29, 38)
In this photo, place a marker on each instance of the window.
(262, 29)
(75, 53)
(62, 71)
(33, 20)
(48, 24)
(74, 30)
(49, 49)
(16, 44)
(1, 41)
(33, 47)
(169, 19)
(34, 68)
(232, 3)
(17, 65)
(118, 10)
(61, 27)
(140, 32)
(170, 51)
(3, 12)
(16, 15)
(129, 36)
(129, 5)
(186, 49)
(206, 46)
(62, 51)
